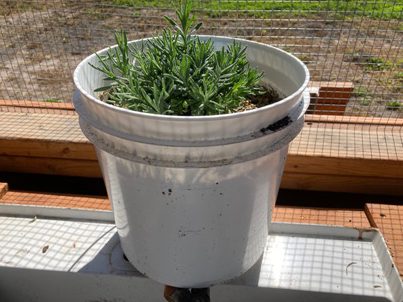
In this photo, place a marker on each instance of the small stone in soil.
(269, 96)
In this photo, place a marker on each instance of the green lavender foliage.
(178, 74)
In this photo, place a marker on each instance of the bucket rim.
(206, 118)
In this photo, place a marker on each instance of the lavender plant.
(177, 73)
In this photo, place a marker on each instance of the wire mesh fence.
(352, 48)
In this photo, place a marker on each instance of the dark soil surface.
(269, 96)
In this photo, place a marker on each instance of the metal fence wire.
(352, 48)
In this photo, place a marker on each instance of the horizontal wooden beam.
(354, 120)
(341, 166)
(63, 108)
(341, 158)
(351, 180)
(37, 104)
(50, 166)
(342, 183)
(47, 149)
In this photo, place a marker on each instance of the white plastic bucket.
(192, 195)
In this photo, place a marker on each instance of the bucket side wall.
(193, 227)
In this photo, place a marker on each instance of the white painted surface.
(84, 262)
(51, 244)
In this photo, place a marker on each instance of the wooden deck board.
(316, 139)
(41, 127)
(50, 166)
(349, 141)
(56, 200)
(342, 183)
(47, 149)
(342, 157)
(389, 220)
(3, 189)
(338, 217)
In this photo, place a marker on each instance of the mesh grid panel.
(352, 48)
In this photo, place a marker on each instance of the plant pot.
(192, 196)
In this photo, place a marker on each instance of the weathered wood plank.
(56, 200)
(349, 141)
(339, 217)
(45, 127)
(50, 166)
(345, 119)
(3, 189)
(337, 157)
(36, 104)
(377, 168)
(47, 149)
(300, 181)
(389, 220)
(316, 139)
(342, 183)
